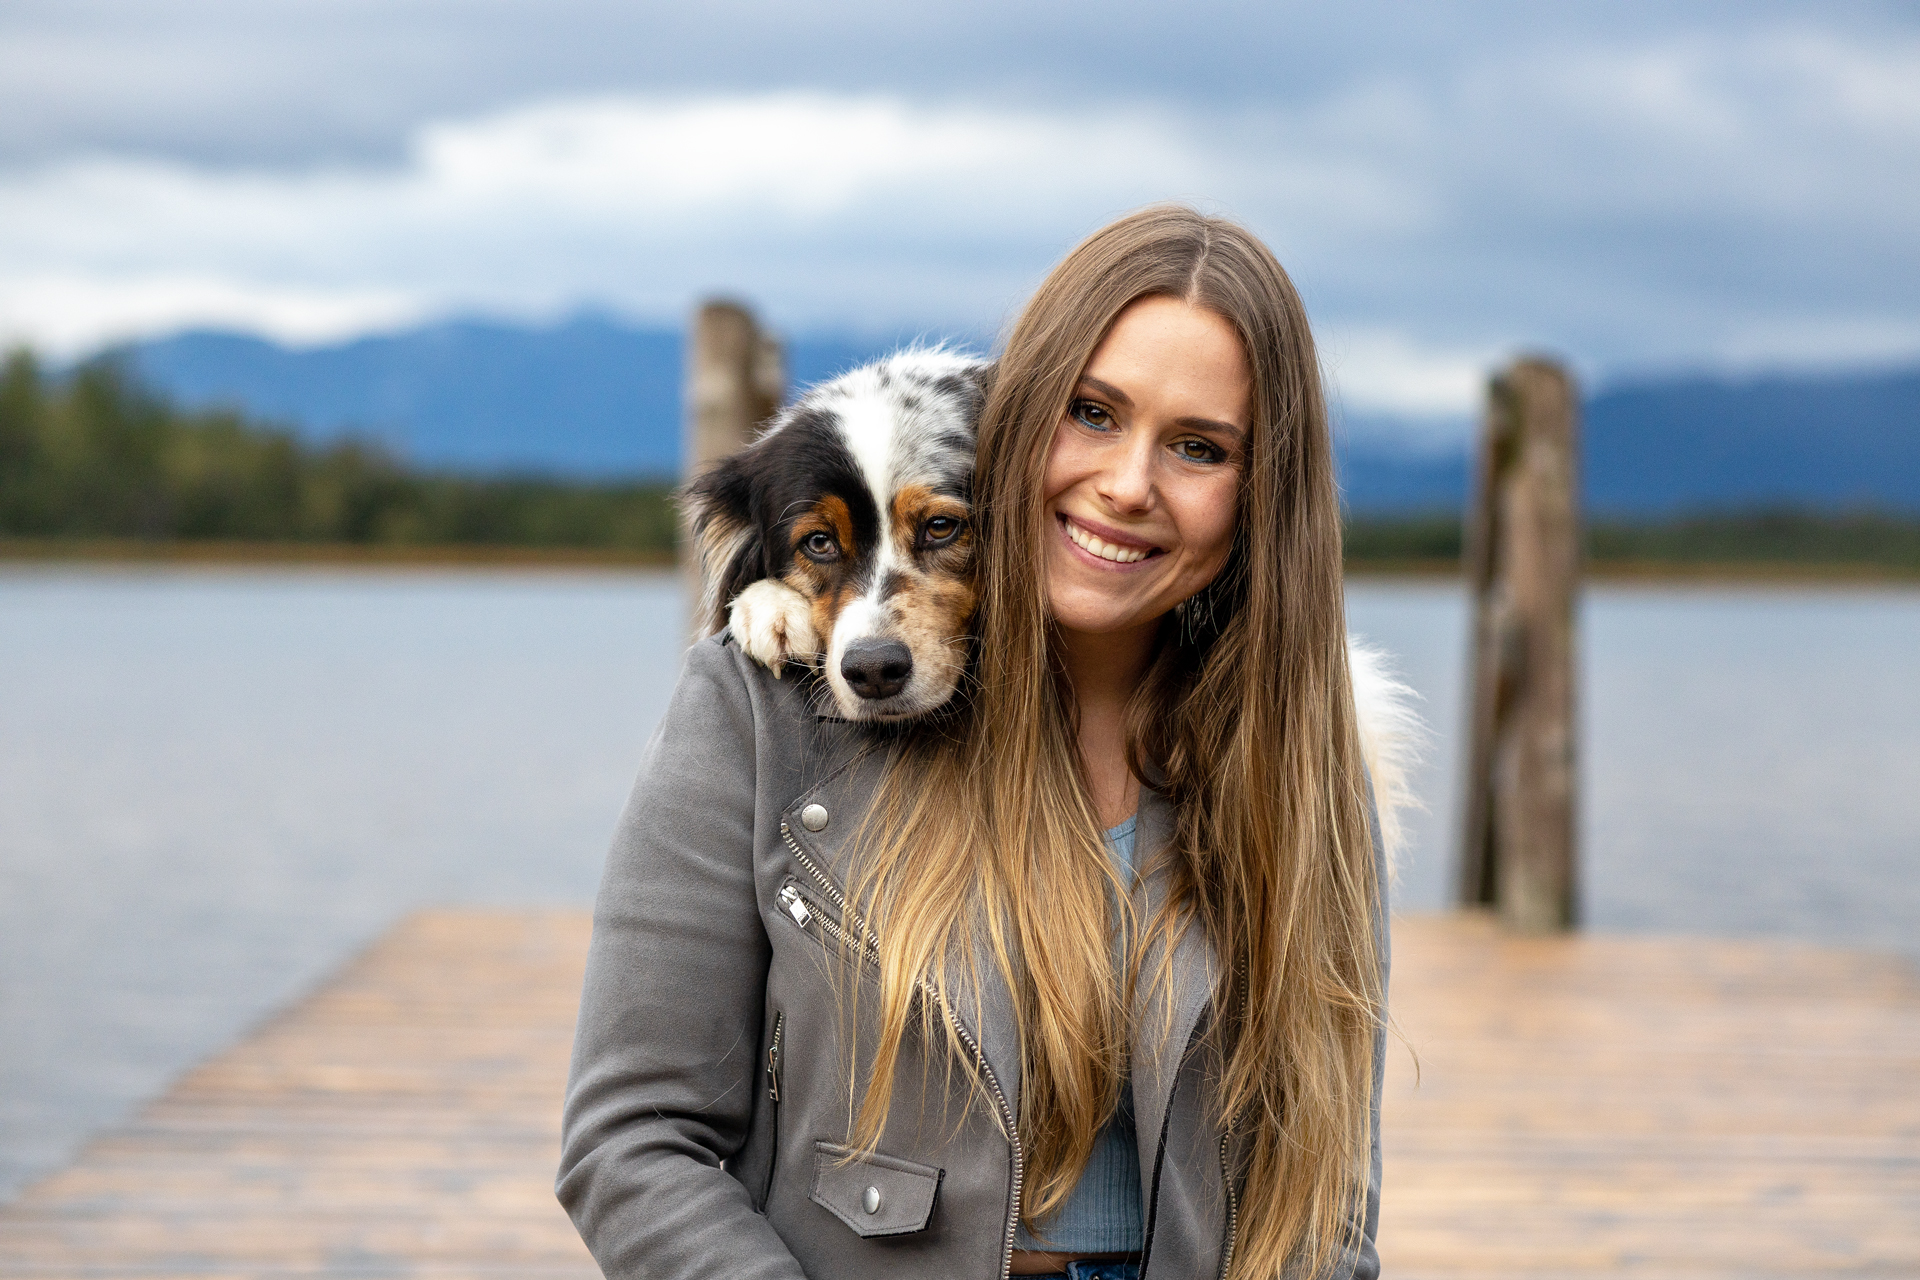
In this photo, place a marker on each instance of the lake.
(215, 785)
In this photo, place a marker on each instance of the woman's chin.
(1102, 617)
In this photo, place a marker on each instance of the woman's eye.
(1199, 451)
(820, 546)
(1087, 413)
(940, 529)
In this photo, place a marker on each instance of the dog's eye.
(820, 546)
(940, 529)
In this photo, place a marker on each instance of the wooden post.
(1518, 848)
(734, 383)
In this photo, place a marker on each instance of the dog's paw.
(774, 624)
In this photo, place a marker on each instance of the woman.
(1087, 976)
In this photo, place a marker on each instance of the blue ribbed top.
(1102, 1212)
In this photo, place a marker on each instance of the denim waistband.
(1093, 1270)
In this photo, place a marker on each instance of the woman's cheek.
(1215, 516)
(1061, 467)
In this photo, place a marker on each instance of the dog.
(841, 539)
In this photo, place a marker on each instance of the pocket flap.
(875, 1195)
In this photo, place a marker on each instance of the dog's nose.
(877, 668)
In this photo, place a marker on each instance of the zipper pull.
(795, 906)
(773, 1058)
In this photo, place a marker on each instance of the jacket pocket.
(874, 1195)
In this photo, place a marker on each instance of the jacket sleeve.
(664, 1058)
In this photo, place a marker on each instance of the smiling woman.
(1103, 979)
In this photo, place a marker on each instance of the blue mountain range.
(594, 397)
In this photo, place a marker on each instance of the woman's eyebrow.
(1211, 424)
(1107, 390)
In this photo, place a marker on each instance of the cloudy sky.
(1637, 186)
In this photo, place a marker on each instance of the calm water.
(214, 786)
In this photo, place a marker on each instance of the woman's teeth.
(1105, 550)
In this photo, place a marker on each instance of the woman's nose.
(1127, 482)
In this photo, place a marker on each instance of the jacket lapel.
(985, 1008)
(1170, 1012)
(984, 1003)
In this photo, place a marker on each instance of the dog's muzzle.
(876, 669)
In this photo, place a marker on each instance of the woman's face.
(1143, 476)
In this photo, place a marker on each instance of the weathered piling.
(1518, 847)
(735, 381)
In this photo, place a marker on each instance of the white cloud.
(841, 209)
(68, 316)
(1383, 372)
(1680, 199)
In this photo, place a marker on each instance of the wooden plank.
(1649, 1107)
(1586, 1106)
(403, 1120)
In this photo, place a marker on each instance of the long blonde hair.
(984, 845)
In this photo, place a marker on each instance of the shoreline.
(135, 553)
(132, 552)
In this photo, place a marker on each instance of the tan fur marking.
(930, 616)
(913, 505)
(827, 607)
(829, 515)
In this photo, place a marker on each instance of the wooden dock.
(1586, 1106)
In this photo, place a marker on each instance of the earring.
(1196, 615)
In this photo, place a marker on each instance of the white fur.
(869, 422)
(1392, 736)
(774, 624)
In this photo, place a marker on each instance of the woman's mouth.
(1101, 548)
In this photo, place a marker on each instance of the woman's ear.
(729, 543)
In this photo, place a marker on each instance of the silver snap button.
(814, 818)
(871, 1201)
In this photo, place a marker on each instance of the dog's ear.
(973, 384)
(725, 535)
(981, 376)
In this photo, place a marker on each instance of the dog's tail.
(1392, 739)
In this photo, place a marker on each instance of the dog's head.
(858, 499)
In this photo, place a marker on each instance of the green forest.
(1784, 537)
(92, 456)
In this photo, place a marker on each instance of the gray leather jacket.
(709, 1094)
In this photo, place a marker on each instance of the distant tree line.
(1783, 536)
(94, 454)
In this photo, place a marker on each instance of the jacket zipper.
(1008, 1122)
(773, 1057)
(1233, 1205)
(789, 896)
(793, 902)
(1226, 1136)
(802, 911)
(773, 1095)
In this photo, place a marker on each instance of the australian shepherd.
(842, 538)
